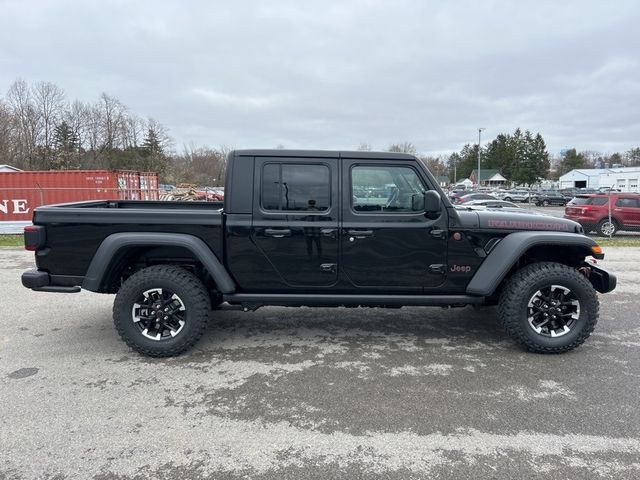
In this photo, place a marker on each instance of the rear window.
(589, 201)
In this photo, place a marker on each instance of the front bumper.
(602, 280)
(40, 281)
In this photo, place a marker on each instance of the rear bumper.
(602, 280)
(580, 218)
(40, 281)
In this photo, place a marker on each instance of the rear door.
(628, 210)
(295, 220)
(388, 244)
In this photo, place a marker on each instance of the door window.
(627, 202)
(386, 189)
(295, 187)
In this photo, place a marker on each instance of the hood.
(515, 221)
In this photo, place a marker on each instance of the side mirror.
(432, 202)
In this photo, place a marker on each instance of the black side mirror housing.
(432, 202)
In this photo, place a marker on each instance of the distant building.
(625, 179)
(9, 168)
(488, 177)
(443, 180)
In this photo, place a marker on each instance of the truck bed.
(74, 231)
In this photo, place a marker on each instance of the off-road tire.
(186, 286)
(520, 288)
(601, 226)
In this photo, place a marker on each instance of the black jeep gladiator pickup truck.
(301, 228)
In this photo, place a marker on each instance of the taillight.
(33, 237)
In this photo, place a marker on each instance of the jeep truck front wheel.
(548, 308)
(161, 311)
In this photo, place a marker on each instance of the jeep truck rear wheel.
(161, 311)
(548, 308)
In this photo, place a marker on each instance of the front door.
(387, 240)
(295, 220)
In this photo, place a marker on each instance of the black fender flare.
(114, 243)
(507, 252)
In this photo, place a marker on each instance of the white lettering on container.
(19, 206)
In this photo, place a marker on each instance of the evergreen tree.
(520, 157)
(633, 157)
(571, 160)
(66, 148)
(152, 154)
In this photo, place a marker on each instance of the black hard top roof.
(276, 152)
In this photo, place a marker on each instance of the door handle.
(360, 233)
(328, 232)
(277, 232)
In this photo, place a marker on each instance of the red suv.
(592, 212)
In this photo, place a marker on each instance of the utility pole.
(455, 172)
(479, 143)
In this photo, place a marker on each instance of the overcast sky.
(335, 74)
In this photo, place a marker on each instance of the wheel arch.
(517, 247)
(118, 250)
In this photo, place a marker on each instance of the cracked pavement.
(314, 393)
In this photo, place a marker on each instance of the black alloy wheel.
(552, 311)
(162, 311)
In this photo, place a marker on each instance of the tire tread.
(198, 315)
(512, 294)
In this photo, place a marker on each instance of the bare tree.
(6, 138)
(39, 129)
(133, 130)
(48, 102)
(77, 117)
(112, 115)
(26, 124)
(404, 147)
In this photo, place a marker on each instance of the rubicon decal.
(527, 225)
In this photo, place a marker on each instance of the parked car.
(493, 203)
(475, 196)
(514, 195)
(552, 197)
(572, 192)
(592, 212)
(499, 205)
(455, 195)
(309, 242)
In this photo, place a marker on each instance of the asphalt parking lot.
(315, 393)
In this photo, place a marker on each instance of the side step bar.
(253, 301)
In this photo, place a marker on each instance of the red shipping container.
(21, 192)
